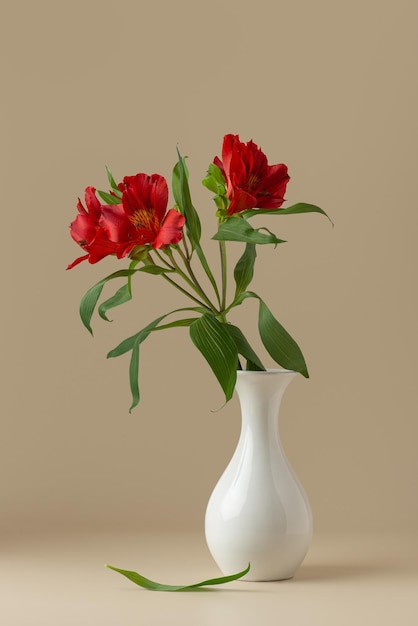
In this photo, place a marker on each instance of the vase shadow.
(329, 572)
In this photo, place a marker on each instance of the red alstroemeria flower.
(251, 181)
(144, 219)
(87, 231)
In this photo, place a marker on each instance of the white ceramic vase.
(258, 512)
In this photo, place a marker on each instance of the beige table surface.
(58, 578)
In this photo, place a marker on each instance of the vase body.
(258, 512)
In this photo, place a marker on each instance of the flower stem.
(192, 281)
(163, 260)
(191, 273)
(224, 270)
(186, 293)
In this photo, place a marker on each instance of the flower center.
(144, 218)
(253, 181)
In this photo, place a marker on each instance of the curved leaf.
(244, 269)
(278, 343)
(151, 585)
(187, 321)
(238, 229)
(181, 194)
(128, 343)
(215, 343)
(90, 298)
(300, 207)
(133, 343)
(124, 294)
(244, 348)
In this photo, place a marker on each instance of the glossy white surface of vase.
(258, 511)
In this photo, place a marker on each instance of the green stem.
(163, 260)
(187, 293)
(222, 250)
(193, 283)
(208, 272)
(186, 248)
(172, 282)
(191, 273)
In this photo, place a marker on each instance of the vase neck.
(260, 395)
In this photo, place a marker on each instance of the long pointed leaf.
(122, 295)
(278, 343)
(133, 343)
(244, 269)
(112, 182)
(244, 347)
(213, 340)
(90, 298)
(151, 585)
(238, 229)
(134, 363)
(134, 374)
(300, 207)
(182, 191)
(187, 321)
(128, 343)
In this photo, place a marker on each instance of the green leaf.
(300, 207)
(128, 343)
(124, 294)
(187, 321)
(208, 271)
(181, 194)
(278, 343)
(176, 183)
(244, 269)
(90, 298)
(155, 269)
(134, 363)
(238, 229)
(213, 340)
(133, 343)
(112, 183)
(109, 198)
(151, 585)
(244, 347)
(215, 181)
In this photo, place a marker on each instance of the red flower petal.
(116, 223)
(241, 201)
(251, 182)
(145, 193)
(83, 230)
(92, 203)
(171, 229)
(77, 261)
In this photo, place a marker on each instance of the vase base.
(266, 579)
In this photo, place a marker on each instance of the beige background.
(327, 87)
